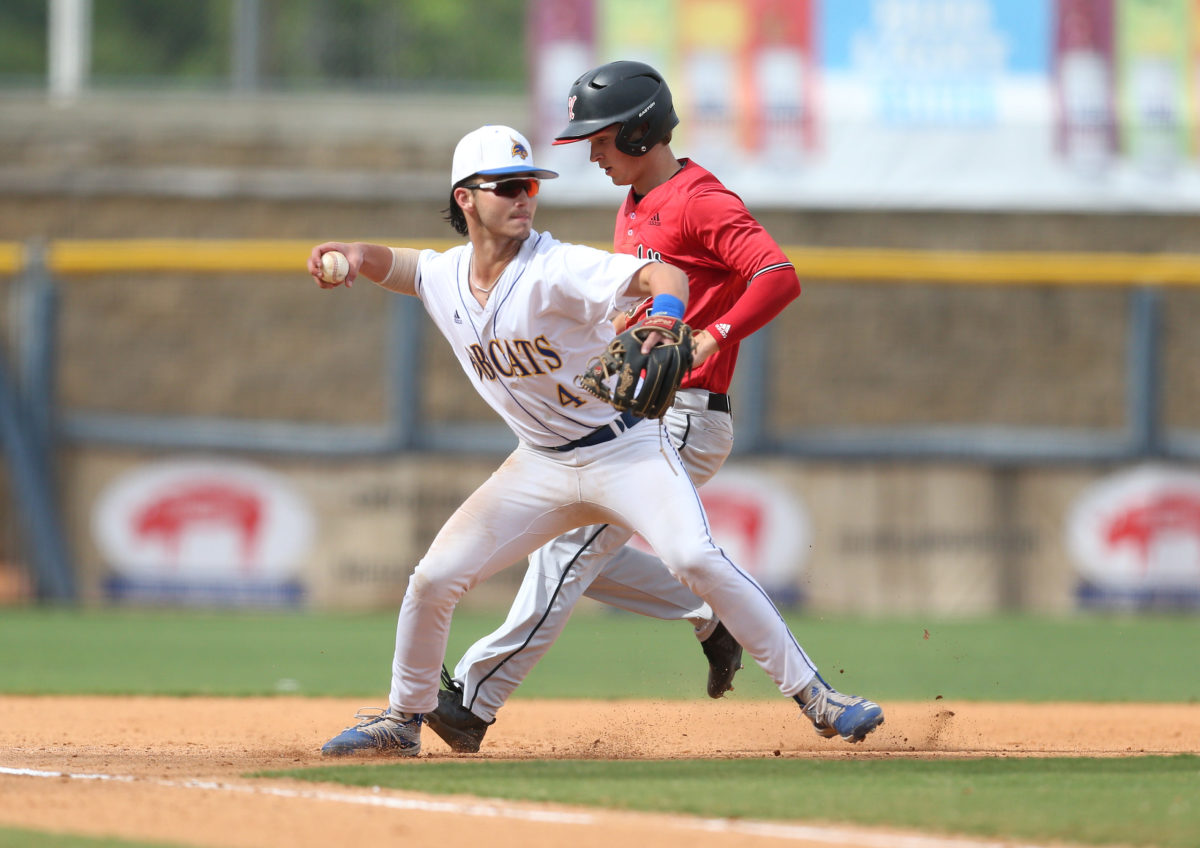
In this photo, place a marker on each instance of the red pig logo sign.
(177, 512)
(1144, 524)
(202, 520)
(1139, 530)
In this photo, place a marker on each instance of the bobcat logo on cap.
(518, 149)
(571, 107)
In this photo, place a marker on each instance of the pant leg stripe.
(561, 579)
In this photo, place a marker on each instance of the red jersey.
(696, 224)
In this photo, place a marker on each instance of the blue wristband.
(667, 304)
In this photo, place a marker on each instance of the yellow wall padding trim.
(965, 267)
(78, 257)
(12, 256)
(186, 255)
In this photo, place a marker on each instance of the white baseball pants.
(595, 561)
(637, 480)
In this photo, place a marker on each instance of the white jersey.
(546, 318)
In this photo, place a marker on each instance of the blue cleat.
(835, 714)
(382, 732)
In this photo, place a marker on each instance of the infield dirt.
(172, 770)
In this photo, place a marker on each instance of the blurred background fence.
(984, 399)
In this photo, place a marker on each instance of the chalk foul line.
(374, 797)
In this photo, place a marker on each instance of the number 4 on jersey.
(567, 397)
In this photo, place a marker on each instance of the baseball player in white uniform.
(524, 314)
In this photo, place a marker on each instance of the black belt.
(719, 403)
(601, 434)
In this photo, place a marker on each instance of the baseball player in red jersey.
(739, 279)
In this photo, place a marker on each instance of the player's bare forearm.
(655, 278)
(371, 260)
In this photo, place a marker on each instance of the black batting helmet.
(631, 94)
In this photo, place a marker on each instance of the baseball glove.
(641, 383)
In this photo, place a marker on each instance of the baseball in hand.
(334, 267)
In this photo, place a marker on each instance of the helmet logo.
(651, 105)
(518, 149)
(571, 107)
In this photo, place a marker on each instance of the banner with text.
(1038, 104)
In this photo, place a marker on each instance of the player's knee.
(432, 585)
(694, 568)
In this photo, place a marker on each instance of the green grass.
(600, 655)
(1136, 801)
(16, 838)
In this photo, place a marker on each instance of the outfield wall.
(941, 538)
(887, 533)
(255, 350)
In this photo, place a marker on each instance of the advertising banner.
(1154, 86)
(1135, 538)
(1084, 70)
(566, 33)
(205, 532)
(1036, 104)
(781, 90)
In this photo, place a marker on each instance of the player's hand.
(653, 340)
(703, 346)
(353, 254)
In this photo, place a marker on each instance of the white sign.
(1139, 530)
(204, 521)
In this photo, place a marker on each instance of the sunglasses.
(511, 188)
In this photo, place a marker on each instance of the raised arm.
(393, 268)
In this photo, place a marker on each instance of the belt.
(601, 434)
(719, 403)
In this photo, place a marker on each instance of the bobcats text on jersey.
(514, 358)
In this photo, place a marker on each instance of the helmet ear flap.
(636, 137)
(633, 139)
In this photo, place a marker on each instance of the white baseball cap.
(491, 151)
